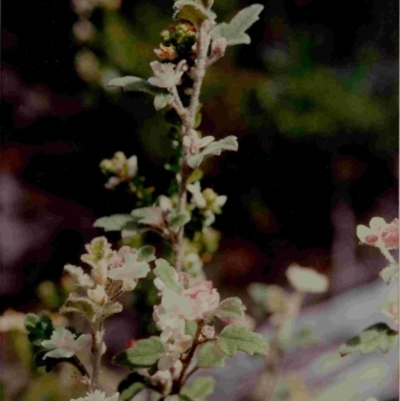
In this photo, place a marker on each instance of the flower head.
(167, 75)
(65, 344)
(379, 233)
(166, 53)
(127, 268)
(195, 143)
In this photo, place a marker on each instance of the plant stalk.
(188, 122)
(97, 337)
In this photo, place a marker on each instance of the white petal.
(377, 222)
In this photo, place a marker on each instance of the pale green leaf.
(129, 84)
(162, 100)
(81, 305)
(379, 336)
(211, 355)
(230, 308)
(106, 311)
(389, 273)
(168, 275)
(214, 148)
(235, 338)
(144, 354)
(177, 220)
(146, 253)
(199, 388)
(115, 222)
(192, 11)
(131, 391)
(235, 31)
(191, 328)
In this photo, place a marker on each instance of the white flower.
(64, 344)
(379, 233)
(197, 197)
(128, 269)
(97, 395)
(195, 143)
(176, 345)
(304, 279)
(167, 75)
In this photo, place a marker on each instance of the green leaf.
(81, 305)
(39, 327)
(211, 355)
(214, 148)
(379, 336)
(235, 338)
(146, 253)
(162, 100)
(106, 311)
(144, 354)
(389, 273)
(192, 11)
(115, 222)
(131, 391)
(129, 84)
(199, 388)
(168, 275)
(234, 31)
(177, 220)
(178, 398)
(191, 328)
(230, 308)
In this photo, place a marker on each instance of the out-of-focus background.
(313, 100)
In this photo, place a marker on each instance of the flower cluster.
(111, 274)
(119, 168)
(380, 234)
(64, 344)
(196, 302)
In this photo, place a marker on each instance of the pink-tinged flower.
(195, 143)
(98, 395)
(175, 346)
(64, 344)
(391, 306)
(166, 52)
(379, 233)
(127, 268)
(167, 75)
(218, 47)
(203, 298)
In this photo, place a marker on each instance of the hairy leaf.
(192, 11)
(235, 338)
(131, 391)
(107, 310)
(214, 148)
(146, 253)
(162, 100)
(234, 31)
(144, 354)
(177, 220)
(168, 275)
(230, 308)
(199, 388)
(379, 336)
(389, 273)
(129, 84)
(191, 328)
(115, 222)
(211, 355)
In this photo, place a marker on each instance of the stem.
(387, 255)
(97, 337)
(188, 122)
(80, 366)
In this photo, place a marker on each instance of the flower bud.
(208, 332)
(166, 52)
(218, 47)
